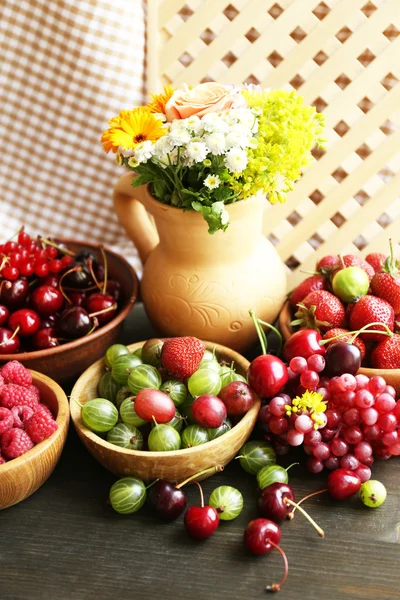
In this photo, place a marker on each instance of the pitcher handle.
(133, 215)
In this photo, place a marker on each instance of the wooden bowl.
(174, 465)
(391, 376)
(67, 361)
(22, 476)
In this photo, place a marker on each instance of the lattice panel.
(342, 56)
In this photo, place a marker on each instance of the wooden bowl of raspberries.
(332, 302)
(34, 418)
(62, 304)
(196, 446)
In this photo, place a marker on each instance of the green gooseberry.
(126, 436)
(227, 501)
(373, 493)
(113, 353)
(194, 435)
(176, 390)
(273, 474)
(254, 455)
(164, 438)
(108, 388)
(350, 284)
(99, 415)
(215, 433)
(127, 495)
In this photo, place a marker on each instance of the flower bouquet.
(204, 147)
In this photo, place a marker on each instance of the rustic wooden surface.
(65, 543)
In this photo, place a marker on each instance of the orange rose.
(204, 98)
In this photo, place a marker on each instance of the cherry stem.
(12, 337)
(152, 483)
(94, 326)
(278, 333)
(98, 285)
(201, 494)
(77, 268)
(216, 469)
(355, 333)
(20, 230)
(105, 310)
(105, 265)
(290, 466)
(54, 245)
(77, 401)
(260, 332)
(307, 516)
(275, 587)
(291, 514)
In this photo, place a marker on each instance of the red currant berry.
(42, 270)
(10, 273)
(55, 266)
(24, 239)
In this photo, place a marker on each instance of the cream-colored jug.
(199, 284)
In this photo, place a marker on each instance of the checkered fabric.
(67, 66)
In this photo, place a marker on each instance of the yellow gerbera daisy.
(158, 101)
(130, 128)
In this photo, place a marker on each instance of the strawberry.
(386, 285)
(327, 264)
(311, 284)
(376, 260)
(338, 331)
(349, 310)
(371, 309)
(181, 356)
(386, 355)
(320, 310)
(350, 260)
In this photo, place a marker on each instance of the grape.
(151, 352)
(395, 449)
(347, 382)
(143, 377)
(369, 416)
(128, 413)
(362, 381)
(332, 463)
(316, 362)
(364, 398)
(194, 435)
(215, 433)
(303, 424)
(126, 436)
(363, 472)
(351, 417)
(362, 450)
(352, 435)
(328, 434)
(277, 406)
(390, 438)
(312, 438)
(389, 389)
(321, 451)
(122, 394)
(385, 403)
(373, 493)
(113, 353)
(278, 425)
(338, 447)
(387, 422)
(227, 501)
(176, 390)
(108, 388)
(372, 432)
(127, 495)
(295, 438)
(309, 379)
(254, 455)
(204, 381)
(350, 462)
(99, 415)
(164, 438)
(376, 385)
(314, 465)
(298, 365)
(153, 405)
(322, 420)
(122, 366)
(271, 474)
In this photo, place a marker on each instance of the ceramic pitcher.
(199, 284)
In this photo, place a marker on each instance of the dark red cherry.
(77, 298)
(267, 375)
(51, 280)
(258, 535)
(342, 358)
(201, 521)
(342, 484)
(27, 322)
(78, 277)
(9, 343)
(74, 323)
(4, 314)
(14, 294)
(45, 338)
(47, 300)
(166, 499)
(97, 302)
(271, 503)
(114, 289)
(304, 342)
(49, 321)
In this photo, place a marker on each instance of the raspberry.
(15, 442)
(2, 384)
(40, 426)
(35, 391)
(44, 408)
(15, 372)
(2, 460)
(6, 420)
(16, 395)
(20, 415)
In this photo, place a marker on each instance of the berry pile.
(350, 293)
(24, 420)
(166, 396)
(50, 295)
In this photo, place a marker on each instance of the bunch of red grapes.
(50, 295)
(343, 421)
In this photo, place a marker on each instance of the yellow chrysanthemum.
(130, 128)
(158, 101)
(309, 401)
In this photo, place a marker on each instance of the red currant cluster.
(344, 421)
(50, 295)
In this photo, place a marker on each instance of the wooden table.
(66, 543)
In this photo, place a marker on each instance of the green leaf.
(160, 188)
(143, 179)
(197, 206)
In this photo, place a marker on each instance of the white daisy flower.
(212, 182)
(216, 143)
(179, 136)
(144, 151)
(126, 153)
(196, 151)
(236, 160)
(162, 146)
(194, 123)
(236, 139)
(214, 122)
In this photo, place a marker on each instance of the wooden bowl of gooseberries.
(391, 376)
(71, 355)
(174, 465)
(22, 476)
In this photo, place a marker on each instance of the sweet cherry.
(9, 341)
(267, 375)
(26, 321)
(260, 537)
(201, 521)
(305, 343)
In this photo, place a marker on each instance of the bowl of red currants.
(165, 408)
(34, 419)
(62, 303)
